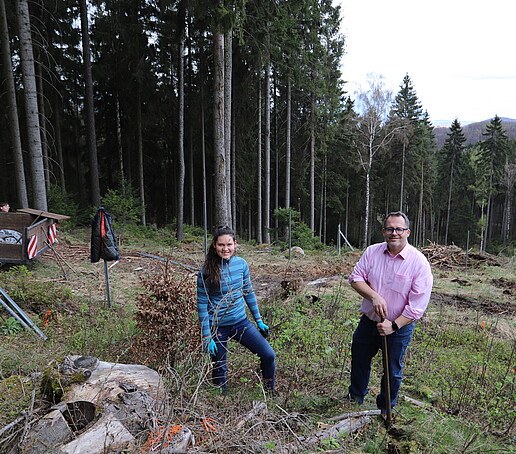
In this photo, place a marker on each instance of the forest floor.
(474, 289)
(466, 287)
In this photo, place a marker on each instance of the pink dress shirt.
(404, 281)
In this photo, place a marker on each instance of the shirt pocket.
(401, 284)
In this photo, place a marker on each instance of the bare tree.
(508, 181)
(372, 134)
(267, 164)
(288, 143)
(88, 101)
(228, 69)
(12, 111)
(259, 236)
(39, 195)
(221, 198)
(139, 144)
(312, 166)
(180, 141)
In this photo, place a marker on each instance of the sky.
(459, 54)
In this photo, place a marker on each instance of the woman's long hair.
(211, 269)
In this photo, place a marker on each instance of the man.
(4, 207)
(395, 280)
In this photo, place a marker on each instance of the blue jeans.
(248, 335)
(366, 343)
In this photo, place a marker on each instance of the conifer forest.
(205, 113)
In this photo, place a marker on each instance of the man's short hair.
(397, 214)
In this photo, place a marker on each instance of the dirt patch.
(485, 306)
(509, 287)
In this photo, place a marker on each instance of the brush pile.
(453, 257)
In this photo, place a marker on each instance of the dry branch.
(416, 402)
(346, 426)
(257, 408)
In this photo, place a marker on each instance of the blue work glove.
(262, 326)
(210, 347)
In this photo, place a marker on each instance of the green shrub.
(124, 208)
(301, 235)
(11, 326)
(36, 295)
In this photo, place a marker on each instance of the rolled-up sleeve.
(420, 291)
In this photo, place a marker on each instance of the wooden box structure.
(38, 233)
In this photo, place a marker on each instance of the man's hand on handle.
(385, 327)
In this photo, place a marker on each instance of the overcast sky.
(459, 54)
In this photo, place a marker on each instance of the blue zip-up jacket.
(227, 305)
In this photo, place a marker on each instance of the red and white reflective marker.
(32, 248)
(52, 234)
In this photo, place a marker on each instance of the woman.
(223, 290)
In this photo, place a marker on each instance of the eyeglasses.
(391, 230)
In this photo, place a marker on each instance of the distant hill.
(473, 131)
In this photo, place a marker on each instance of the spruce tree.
(451, 155)
(405, 115)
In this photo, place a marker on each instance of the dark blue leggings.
(248, 335)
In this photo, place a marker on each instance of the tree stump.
(103, 407)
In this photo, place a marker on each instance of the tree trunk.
(180, 144)
(259, 237)
(402, 186)
(59, 146)
(119, 145)
(204, 176)
(39, 195)
(228, 68)
(88, 101)
(449, 205)
(276, 157)
(141, 173)
(43, 125)
(221, 198)
(322, 207)
(267, 164)
(420, 239)
(12, 111)
(509, 180)
(312, 176)
(366, 213)
(288, 144)
(191, 177)
(233, 203)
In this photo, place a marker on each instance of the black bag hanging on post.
(103, 239)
